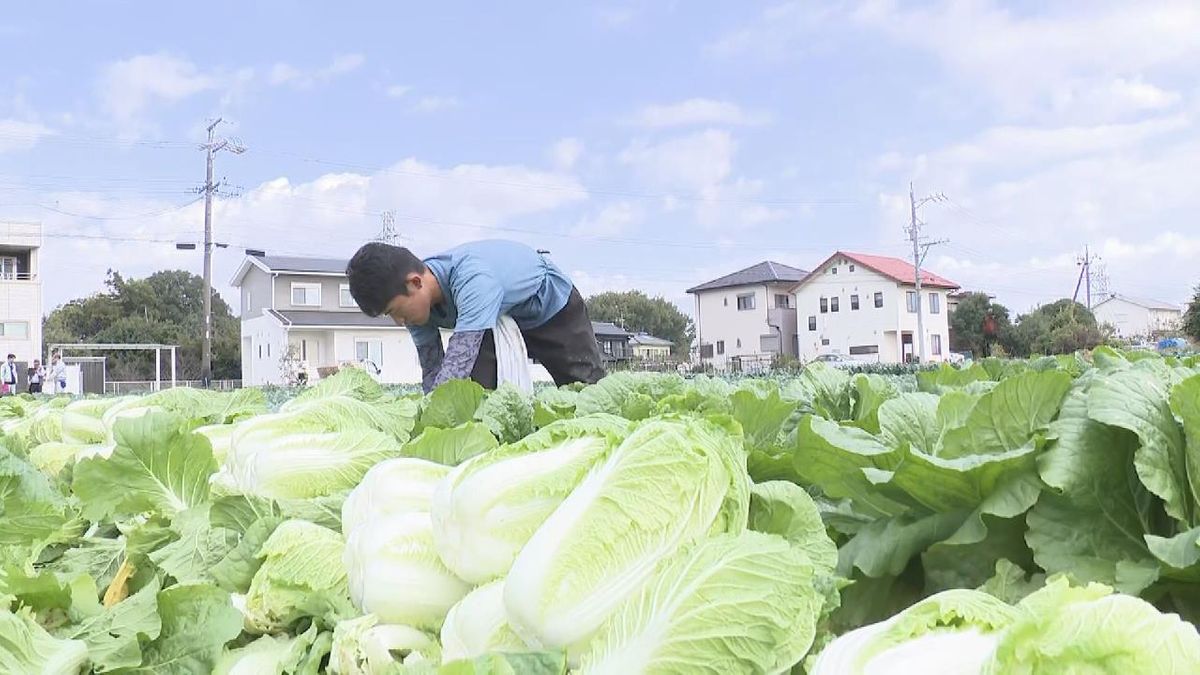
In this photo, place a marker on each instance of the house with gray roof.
(747, 318)
(1133, 317)
(297, 315)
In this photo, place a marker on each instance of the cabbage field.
(1011, 517)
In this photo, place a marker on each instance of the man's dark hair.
(377, 274)
(12, 356)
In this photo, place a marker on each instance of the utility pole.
(920, 249)
(210, 148)
(1085, 276)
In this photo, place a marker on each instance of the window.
(745, 302)
(14, 329)
(304, 350)
(306, 295)
(833, 303)
(8, 268)
(860, 350)
(720, 346)
(739, 343)
(369, 350)
(854, 302)
(825, 342)
(344, 297)
(726, 299)
(824, 305)
(268, 350)
(812, 323)
(260, 351)
(935, 344)
(913, 300)
(783, 301)
(878, 300)
(852, 268)
(935, 303)
(706, 351)
(833, 270)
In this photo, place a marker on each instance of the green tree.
(1191, 318)
(638, 313)
(966, 323)
(1061, 327)
(163, 308)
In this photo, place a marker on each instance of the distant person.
(467, 289)
(58, 374)
(37, 375)
(8, 375)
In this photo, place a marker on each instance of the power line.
(139, 216)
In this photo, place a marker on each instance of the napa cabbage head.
(390, 488)
(301, 576)
(320, 448)
(672, 481)
(478, 625)
(953, 631)
(1067, 629)
(26, 647)
(490, 506)
(363, 646)
(396, 574)
(731, 604)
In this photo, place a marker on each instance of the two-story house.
(745, 319)
(20, 293)
(1133, 318)
(865, 307)
(647, 347)
(304, 304)
(613, 341)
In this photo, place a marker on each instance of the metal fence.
(119, 388)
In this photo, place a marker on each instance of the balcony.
(18, 276)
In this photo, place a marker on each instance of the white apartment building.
(21, 292)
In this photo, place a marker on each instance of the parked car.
(836, 360)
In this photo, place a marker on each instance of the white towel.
(512, 360)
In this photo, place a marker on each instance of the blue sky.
(647, 145)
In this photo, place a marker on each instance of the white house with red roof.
(864, 307)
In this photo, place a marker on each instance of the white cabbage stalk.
(490, 506)
(478, 625)
(391, 488)
(671, 482)
(395, 572)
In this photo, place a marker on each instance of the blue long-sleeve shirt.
(480, 281)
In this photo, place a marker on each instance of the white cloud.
(397, 90)
(693, 162)
(287, 74)
(615, 17)
(21, 135)
(565, 153)
(432, 104)
(436, 208)
(128, 88)
(1021, 60)
(612, 220)
(697, 111)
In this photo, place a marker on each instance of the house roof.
(763, 273)
(272, 264)
(1144, 302)
(900, 271)
(647, 340)
(317, 319)
(611, 330)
